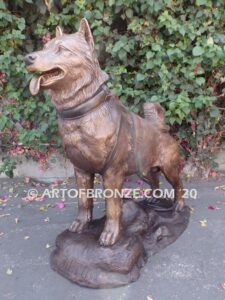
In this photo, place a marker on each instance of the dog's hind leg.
(171, 171)
(84, 182)
(152, 178)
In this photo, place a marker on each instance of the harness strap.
(113, 151)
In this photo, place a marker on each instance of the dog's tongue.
(35, 85)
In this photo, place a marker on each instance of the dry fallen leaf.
(221, 187)
(97, 180)
(42, 208)
(192, 210)
(30, 198)
(140, 181)
(222, 285)
(203, 223)
(55, 184)
(27, 179)
(211, 207)
(4, 215)
(4, 198)
(60, 205)
(9, 271)
(11, 190)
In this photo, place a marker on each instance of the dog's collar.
(88, 105)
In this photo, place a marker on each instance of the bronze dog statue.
(99, 135)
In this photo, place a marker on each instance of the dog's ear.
(86, 31)
(58, 31)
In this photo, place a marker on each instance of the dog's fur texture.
(108, 140)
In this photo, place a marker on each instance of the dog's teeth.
(50, 74)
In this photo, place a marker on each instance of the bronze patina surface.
(99, 134)
(81, 259)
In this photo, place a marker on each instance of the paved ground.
(192, 268)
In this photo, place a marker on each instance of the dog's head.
(65, 60)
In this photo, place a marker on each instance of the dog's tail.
(155, 113)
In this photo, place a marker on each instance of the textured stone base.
(81, 259)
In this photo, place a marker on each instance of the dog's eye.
(61, 48)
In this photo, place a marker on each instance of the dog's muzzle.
(29, 59)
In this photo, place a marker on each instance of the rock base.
(81, 259)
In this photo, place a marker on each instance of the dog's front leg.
(84, 182)
(112, 183)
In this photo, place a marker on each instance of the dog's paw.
(110, 234)
(108, 238)
(78, 226)
(179, 205)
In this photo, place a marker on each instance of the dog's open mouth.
(46, 78)
(51, 76)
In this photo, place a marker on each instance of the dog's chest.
(88, 142)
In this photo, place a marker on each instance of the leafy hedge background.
(167, 51)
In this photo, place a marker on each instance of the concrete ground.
(192, 268)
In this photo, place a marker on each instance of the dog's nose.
(29, 59)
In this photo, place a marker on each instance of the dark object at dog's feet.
(160, 204)
(81, 259)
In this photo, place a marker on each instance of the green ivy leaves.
(197, 51)
(166, 51)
